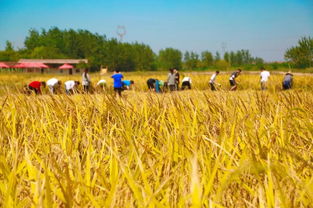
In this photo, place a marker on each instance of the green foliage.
(242, 58)
(217, 56)
(8, 46)
(222, 65)
(46, 52)
(207, 58)
(302, 55)
(56, 43)
(170, 58)
(191, 60)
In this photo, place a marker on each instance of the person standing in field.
(127, 84)
(212, 81)
(288, 81)
(171, 80)
(118, 84)
(36, 86)
(86, 81)
(264, 75)
(177, 77)
(232, 79)
(70, 86)
(54, 85)
(186, 83)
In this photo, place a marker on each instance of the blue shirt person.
(118, 83)
(127, 84)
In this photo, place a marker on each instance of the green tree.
(9, 54)
(8, 46)
(227, 57)
(217, 56)
(191, 60)
(44, 52)
(207, 59)
(170, 58)
(302, 54)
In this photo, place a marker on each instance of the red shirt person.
(35, 86)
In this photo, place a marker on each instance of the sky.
(265, 27)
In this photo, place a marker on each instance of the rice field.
(196, 148)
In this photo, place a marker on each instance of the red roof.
(66, 66)
(3, 65)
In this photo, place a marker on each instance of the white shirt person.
(70, 86)
(264, 76)
(212, 81)
(53, 84)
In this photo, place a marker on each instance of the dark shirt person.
(288, 81)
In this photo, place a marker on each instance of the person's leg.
(212, 87)
(189, 85)
(234, 88)
(183, 85)
(233, 84)
(262, 86)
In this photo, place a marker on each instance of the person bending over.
(232, 79)
(186, 83)
(36, 86)
(288, 81)
(212, 81)
(127, 84)
(71, 86)
(54, 85)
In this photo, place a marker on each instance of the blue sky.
(265, 27)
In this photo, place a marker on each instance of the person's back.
(52, 82)
(35, 86)
(186, 83)
(233, 76)
(171, 79)
(288, 78)
(101, 83)
(264, 78)
(85, 79)
(127, 82)
(232, 79)
(212, 80)
(287, 82)
(69, 85)
(117, 82)
(187, 79)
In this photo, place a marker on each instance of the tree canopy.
(302, 54)
(116, 55)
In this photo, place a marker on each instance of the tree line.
(101, 51)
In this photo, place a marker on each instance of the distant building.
(54, 65)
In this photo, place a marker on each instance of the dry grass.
(187, 149)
